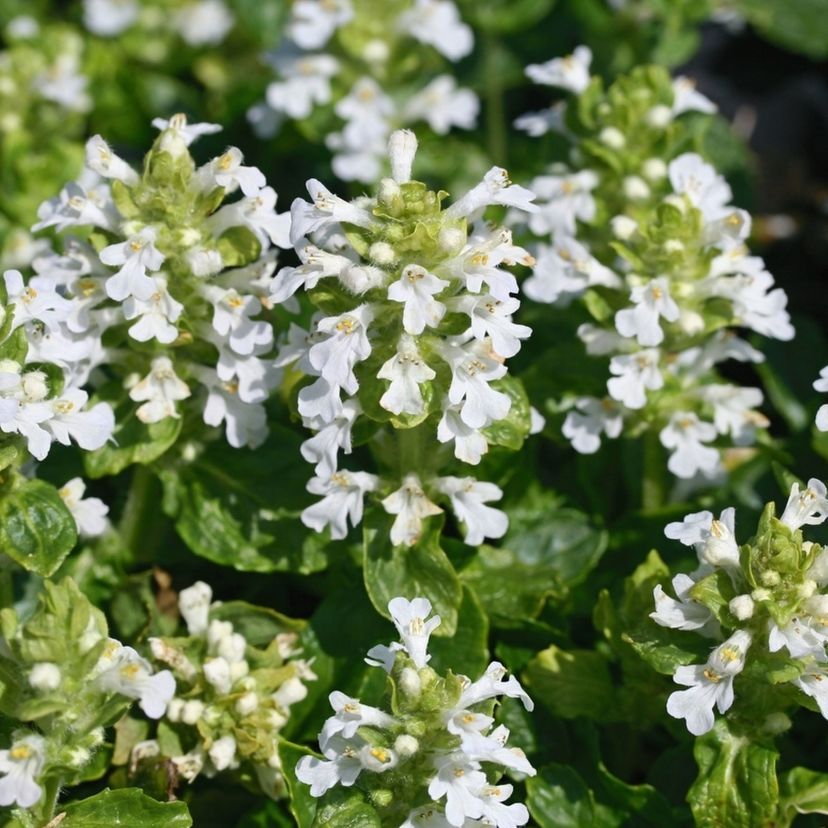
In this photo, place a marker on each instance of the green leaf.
(559, 798)
(125, 808)
(513, 429)
(421, 570)
(466, 651)
(547, 550)
(801, 26)
(736, 785)
(226, 509)
(664, 649)
(505, 15)
(572, 683)
(15, 346)
(345, 808)
(36, 529)
(302, 805)
(804, 792)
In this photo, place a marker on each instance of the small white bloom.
(342, 495)
(349, 716)
(570, 72)
(814, 683)
(204, 22)
(492, 319)
(806, 507)
(411, 505)
(322, 448)
(495, 188)
(159, 391)
(313, 22)
(108, 18)
(469, 443)
(583, 427)
(327, 209)
(681, 612)
(136, 256)
(652, 301)
(217, 673)
(406, 371)
(634, 375)
(342, 766)
(101, 159)
(563, 200)
(491, 685)
(35, 301)
(125, 672)
(437, 23)
(473, 367)
(468, 501)
(742, 607)
(222, 752)
(687, 99)
(178, 127)
(227, 171)
(417, 288)
(155, 315)
(20, 767)
(685, 435)
(443, 105)
(89, 513)
(709, 684)
(822, 385)
(194, 606)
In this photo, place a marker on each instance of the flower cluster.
(644, 232)
(766, 599)
(233, 698)
(197, 22)
(168, 289)
(355, 54)
(431, 757)
(67, 681)
(415, 326)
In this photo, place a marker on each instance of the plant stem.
(411, 456)
(6, 587)
(140, 510)
(496, 136)
(51, 791)
(653, 482)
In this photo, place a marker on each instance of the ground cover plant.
(413, 413)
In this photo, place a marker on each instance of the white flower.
(63, 83)
(709, 684)
(90, 513)
(410, 504)
(416, 288)
(469, 444)
(443, 105)
(155, 314)
(822, 385)
(125, 672)
(473, 367)
(350, 716)
(734, 411)
(492, 318)
(20, 765)
(342, 767)
(687, 99)
(714, 540)
(490, 685)
(306, 81)
(802, 637)
(685, 436)
(437, 23)
(101, 159)
(652, 301)
(814, 683)
(204, 22)
(222, 753)
(178, 127)
(692, 176)
(258, 214)
(322, 448)
(227, 171)
(563, 200)
(108, 18)
(634, 375)
(34, 302)
(809, 506)
(78, 204)
(245, 423)
(406, 371)
(468, 498)
(342, 495)
(194, 606)
(682, 614)
(327, 209)
(458, 780)
(495, 188)
(136, 256)
(583, 427)
(496, 812)
(312, 22)
(346, 344)
(570, 72)
(231, 319)
(159, 391)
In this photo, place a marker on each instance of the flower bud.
(406, 745)
(612, 138)
(247, 704)
(776, 723)
(35, 386)
(291, 692)
(402, 147)
(377, 759)
(222, 752)
(760, 594)
(742, 607)
(382, 797)
(770, 578)
(410, 683)
(382, 253)
(45, 676)
(217, 673)
(389, 195)
(359, 279)
(174, 709)
(635, 188)
(451, 240)
(659, 116)
(623, 227)
(192, 711)
(654, 169)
